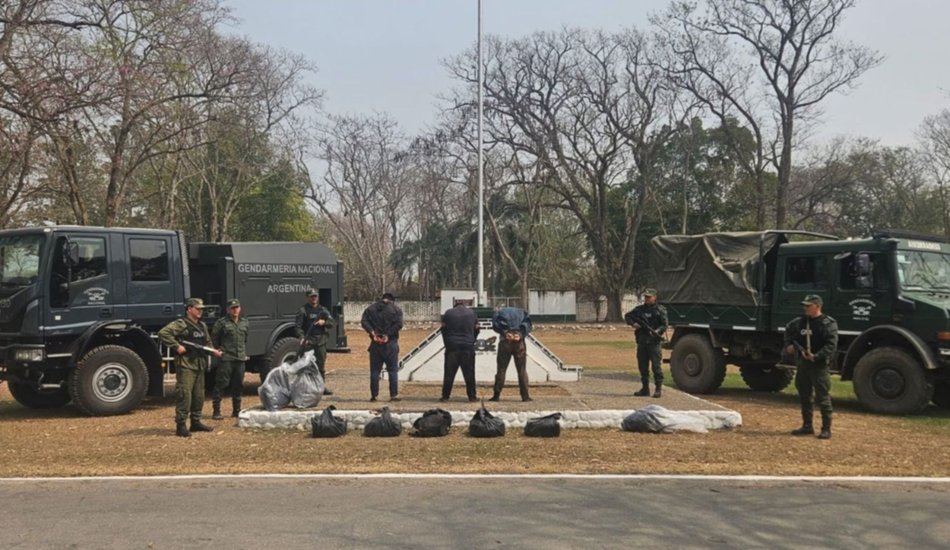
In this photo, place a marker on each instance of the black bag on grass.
(327, 425)
(545, 426)
(432, 423)
(383, 425)
(484, 424)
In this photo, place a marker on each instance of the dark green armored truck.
(730, 295)
(80, 307)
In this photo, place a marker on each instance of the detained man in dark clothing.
(382, 321)
(513, 325)
(459, 329)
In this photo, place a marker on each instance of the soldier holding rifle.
(189, 338)
(813, 340)
(312, 327)
(649, 322)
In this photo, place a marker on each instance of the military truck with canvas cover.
(80, 307)
(730, 295)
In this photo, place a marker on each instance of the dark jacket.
(382, 319)
(511, 318)
(306, 317)
(824, 338)
(459, 329)
(653, 316)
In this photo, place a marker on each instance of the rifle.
(199, 347)
(640, 320)
(303, 347)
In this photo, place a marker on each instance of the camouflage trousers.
(814, 380)
(189, 394)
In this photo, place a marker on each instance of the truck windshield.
(923, 270)
(20, 259)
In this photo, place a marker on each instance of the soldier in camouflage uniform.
(190, 365)
(813, 340)
(312, 329)
(649, 322)
(229, 335)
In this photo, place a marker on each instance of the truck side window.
(148, 259)
(92, 258)
(847, 276)
(805, 273)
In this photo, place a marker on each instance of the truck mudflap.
(887, 333)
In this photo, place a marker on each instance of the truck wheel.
(28, 396)
(696, 366)
(770, 379)
(109, 380)
(890, 381)
(941, 397)
(284, 350)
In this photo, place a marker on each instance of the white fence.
(588, 311)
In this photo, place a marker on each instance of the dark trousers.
(649, 355)
(189, 394)
(507, 350)
(464, 359)
(814, 379)
(230, 378)
(380, 354)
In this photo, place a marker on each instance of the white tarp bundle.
(298, 383)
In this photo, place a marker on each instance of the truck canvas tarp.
(715, 268)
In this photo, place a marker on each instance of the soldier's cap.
(312, 292)
(195, 302)
(388, 296)
(812, 299)
(649, 292)
(234, 302)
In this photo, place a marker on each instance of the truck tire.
(696, 366)
(109, 380)
(889, 380)
(28, 396)
(941, 397)
(284, 350)
(771, 379)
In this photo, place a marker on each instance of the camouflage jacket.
(182, 329)
(819, 335)
(230, 337)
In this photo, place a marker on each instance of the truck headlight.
(29, 354)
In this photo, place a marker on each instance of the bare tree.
(590, 110)
(799, 60)
(934, 137)
(363, 192)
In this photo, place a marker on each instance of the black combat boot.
(644, 391)
(496, 390)
(659, 391)
(197, 426)
(327, 391)
(807, 427)
(825, 427)
(181, 430)
(216, 411)
(235, 407)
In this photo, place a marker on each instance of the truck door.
(800, 275)
(81, 289)
(862, 293)
(149, 285)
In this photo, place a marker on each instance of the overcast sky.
(383, 55)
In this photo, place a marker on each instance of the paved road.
(471, 513)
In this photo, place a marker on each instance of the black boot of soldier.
(825, 427)
(216, 411)
(807, 427)
(181, 430)
(235, 407)
(197, 426)
(496, 389)
(327, 391)
(659, 391)
(644, 391)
